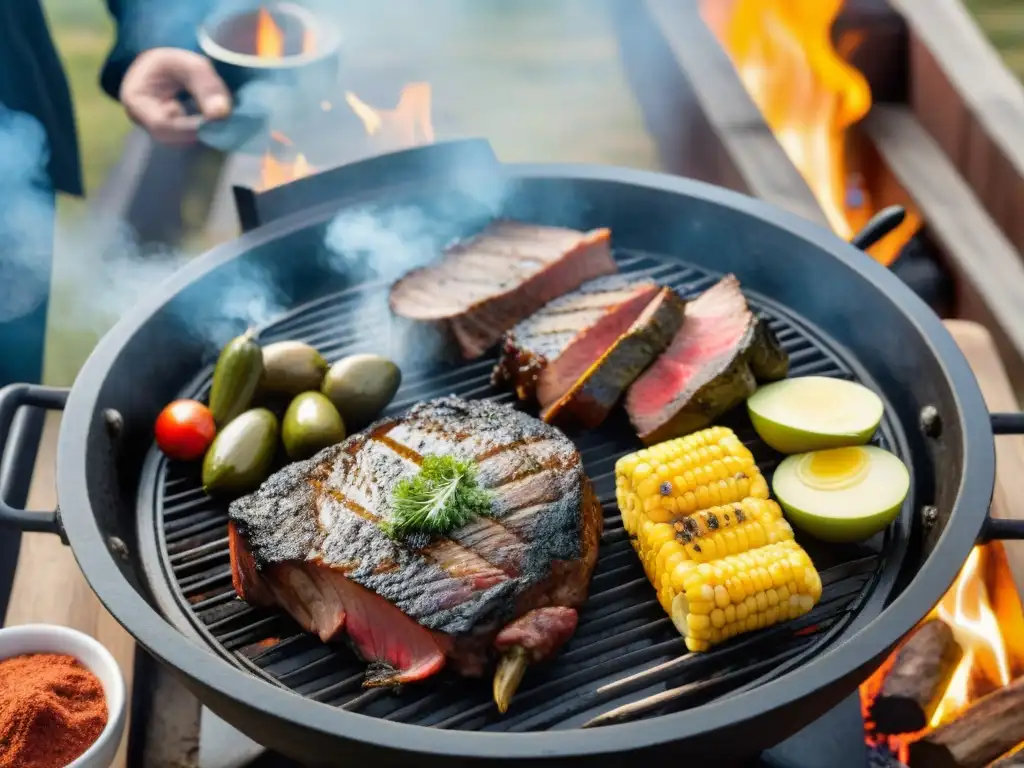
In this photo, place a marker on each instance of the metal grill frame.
(640, 662)
(99, 468)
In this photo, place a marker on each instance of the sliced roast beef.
(712, 365)
(309, 541)
(588, 401)
(548, 352)
(485, 285)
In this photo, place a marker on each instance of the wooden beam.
(964, 95)
(703, 120)
(988, 268)
(980, 350)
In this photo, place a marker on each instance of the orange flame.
(969, 611)
(983, 608)
(407, 125)
(269, 37)
(809, 96)
(275, 171)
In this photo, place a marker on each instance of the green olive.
(361, 386)
(240, 457)
(291, 367)
(310, 424)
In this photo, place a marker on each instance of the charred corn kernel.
(731, 529)
(707, 469)
(737, 594)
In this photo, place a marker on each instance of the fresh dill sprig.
(442, 496)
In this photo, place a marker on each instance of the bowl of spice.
(62, 699)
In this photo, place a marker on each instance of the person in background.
(152, 64)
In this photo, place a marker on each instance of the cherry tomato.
(184, 430)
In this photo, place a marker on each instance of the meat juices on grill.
(591, 397)
(548, 352)
(309, 541)
(485, 285)
(712, 365)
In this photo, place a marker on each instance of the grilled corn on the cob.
(739, 593)
(682, 476)
(720, 569)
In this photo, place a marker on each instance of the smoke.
(96, 266)
(104, 270)
(26, 215)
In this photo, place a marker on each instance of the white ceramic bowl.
(49, 638)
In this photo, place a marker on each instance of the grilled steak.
(548, 352)
(592, 396)
(309, 541)
(711, 365)
(485, 285)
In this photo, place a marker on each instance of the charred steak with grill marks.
(547, 353)
(591, 397)
(486, 284)
(309, 541)
(713, 364)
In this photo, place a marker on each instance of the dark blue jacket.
(32, 79)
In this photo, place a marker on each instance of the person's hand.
(152, 84)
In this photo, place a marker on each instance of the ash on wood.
(919, 676)
(986, 730)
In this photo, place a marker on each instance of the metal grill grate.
(625, 661)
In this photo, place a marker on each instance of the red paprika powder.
(51, 710)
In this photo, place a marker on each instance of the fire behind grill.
(626, 659)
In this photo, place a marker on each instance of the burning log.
(983, 732)
(914, 686)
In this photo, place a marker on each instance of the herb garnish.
(441, 497)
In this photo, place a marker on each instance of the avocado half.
(842, 494)
(812, 413)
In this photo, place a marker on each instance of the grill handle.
(19, 444)
(880, 225)
(999, 528)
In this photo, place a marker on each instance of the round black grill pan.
(626, 660)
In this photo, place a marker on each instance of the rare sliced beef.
(309, 541)
(485, 285)
(548, 352)
(588, 401)
(712, 365)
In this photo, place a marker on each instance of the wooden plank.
(48, 586)
(987, 266)
(873, 37)
(980, 350)
(971, 103)
(699, 111)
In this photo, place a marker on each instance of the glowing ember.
(984, 611)
(269, 37)
(809, 96)
(407, 125)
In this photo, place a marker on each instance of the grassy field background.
(83, 32)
